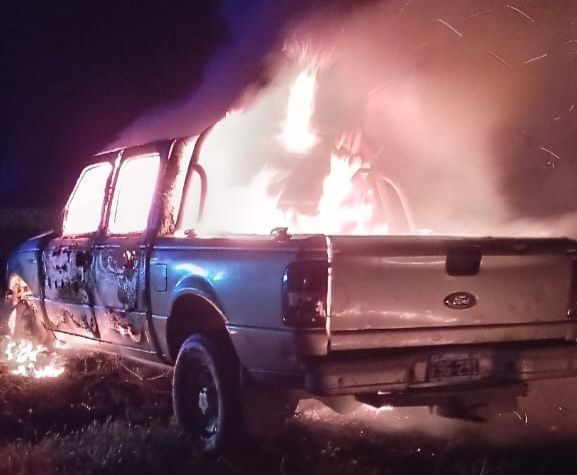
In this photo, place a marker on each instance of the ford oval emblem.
(460, 300)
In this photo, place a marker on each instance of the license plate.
(454, 366)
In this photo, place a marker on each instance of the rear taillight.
(572, 307)
(304, 294)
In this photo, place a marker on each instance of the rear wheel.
(206, 395)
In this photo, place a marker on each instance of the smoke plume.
(469, 107)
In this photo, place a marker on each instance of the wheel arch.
(194, 313)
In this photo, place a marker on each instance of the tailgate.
(418, 291)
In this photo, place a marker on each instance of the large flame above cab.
(297, 134)
(340, 201)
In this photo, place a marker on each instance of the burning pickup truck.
(253, 322)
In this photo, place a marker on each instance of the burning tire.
(206, 395)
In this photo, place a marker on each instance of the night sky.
(74, 74)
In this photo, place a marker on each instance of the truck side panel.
(243, 279)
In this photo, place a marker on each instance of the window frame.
(194, 169)
(103, 206)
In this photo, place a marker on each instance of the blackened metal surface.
(118, 292)
(68, 286)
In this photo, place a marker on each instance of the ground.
(107, 415)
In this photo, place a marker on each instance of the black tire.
(206, 395)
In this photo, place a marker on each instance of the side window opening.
(83, 212)
(192, 203)
(133, 194)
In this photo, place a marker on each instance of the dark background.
(74, 74)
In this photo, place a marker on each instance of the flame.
(26, 358)
(297, 131)
(337, 189)
(349, 203)
(343, 208)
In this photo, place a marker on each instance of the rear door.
(120, 254)
(67, 259)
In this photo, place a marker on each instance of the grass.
(102, 448)
(107, 416)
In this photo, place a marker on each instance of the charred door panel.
(68, 286)
(120, 253)
(117, 273)
(119, 299)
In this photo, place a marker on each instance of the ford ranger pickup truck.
(251, 322)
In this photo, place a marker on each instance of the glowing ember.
(297, 133)
(25, 358)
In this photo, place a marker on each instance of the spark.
(570, 42)
(478, 14)
(546, 150)
(499, 58)
(378, 89)
(536, 58)
(404, 7)
(420, 47)
(520, 12)
(452, 28)
(524, 418)
(572, 107)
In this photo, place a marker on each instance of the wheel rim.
(205, 404)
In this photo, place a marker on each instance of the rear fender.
(197, 286)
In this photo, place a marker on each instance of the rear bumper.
(344, 340)
(405, 370)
